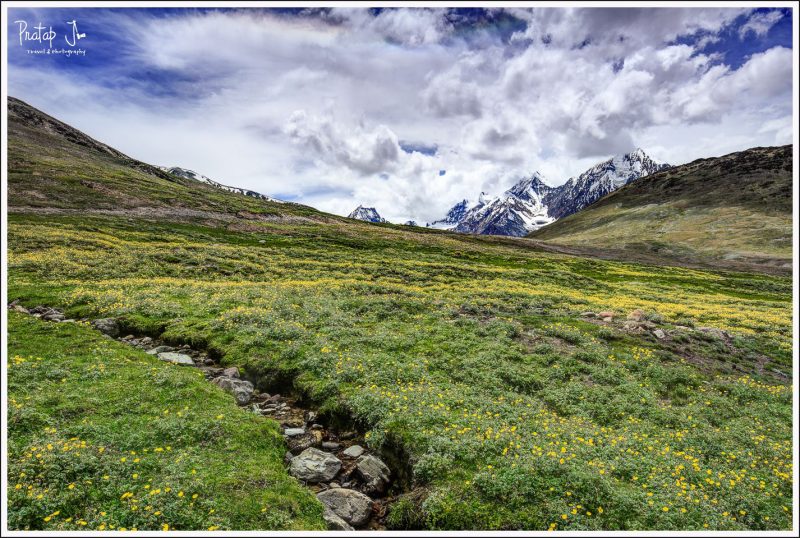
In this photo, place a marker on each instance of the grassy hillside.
(467, 360)
(103, 436)
(734, 210)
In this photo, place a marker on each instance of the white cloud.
(760, 23)
(315, 107)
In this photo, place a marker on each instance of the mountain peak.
(367, 214)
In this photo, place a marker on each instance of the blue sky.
(337, 108)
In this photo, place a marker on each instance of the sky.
(408, 110)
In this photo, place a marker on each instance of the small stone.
(287, 458)
(299, 443)
(128, 338)
(145, 341)
(347, 435)
(292, 432)
(317, 427)
(606, 314)
(658, 333)
(353, 451)
(310, 416)
(313, 466)
(353, 507)
(20, 309)
(208, 362)
(636, 315)
(330, 445)
(608, 320)
(67, 321)
(177, 358)
(588, 314)
(233, 371)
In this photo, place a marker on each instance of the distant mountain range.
(190, 174)
(532, 203)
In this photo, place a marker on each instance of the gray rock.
(242, 390)
(330, 445)
(313, 465)
(293, 432)
(287, 458)
(67, 321)
(335, 523)
(108, 326)
(177, 358)
(299, 443)
(636, 315)
(658, 333)
(353, 507)
(353, 451)
(53, 316)
(231, 372)
(160, 349)
(374, 472)
(145, 341)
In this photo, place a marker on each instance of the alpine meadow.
(612, 354)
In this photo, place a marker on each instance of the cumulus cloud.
(314, 106)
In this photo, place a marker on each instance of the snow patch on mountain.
(368, 214)
(191, 174)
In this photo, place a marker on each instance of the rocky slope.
(735, 208)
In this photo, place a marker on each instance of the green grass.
(104, 436)
(467, 357)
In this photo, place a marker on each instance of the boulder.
(108, 326)
(374, 472)
(636, 315)
(231, 372)
(335, 523)
(177, 358)
(353, 451)
(242, 390)
(313, 465)
(353, 507)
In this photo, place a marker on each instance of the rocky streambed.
(354, 484)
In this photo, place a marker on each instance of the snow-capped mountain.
(367, 214)
(600, 180)
(190, 174)
(519, 210)
(531, 203)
